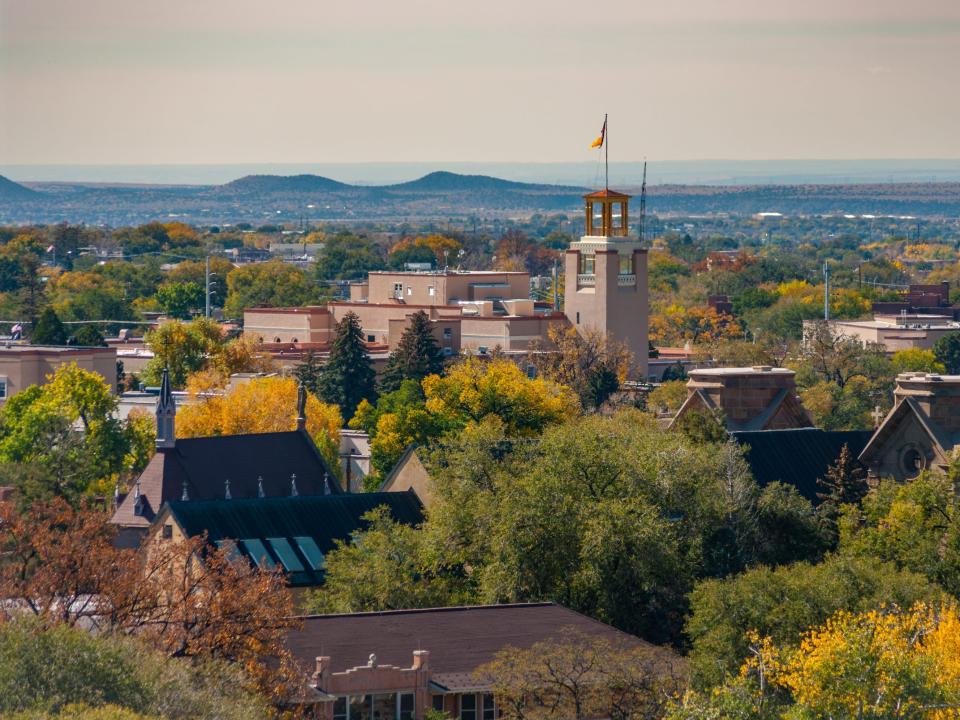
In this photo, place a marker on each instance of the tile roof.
(797, 456)
(204, 463)
(607, 193)
(324, 518)
(459, 639)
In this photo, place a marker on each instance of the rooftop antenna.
(643, 202)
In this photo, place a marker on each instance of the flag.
(603, 135)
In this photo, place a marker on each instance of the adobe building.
(479, 310)
(750, 398)
(24, 365)
(606, 277)
(400, 664)
(920, 432)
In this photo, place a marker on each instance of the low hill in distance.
(268, 184)
(453, 182)
(9, 190)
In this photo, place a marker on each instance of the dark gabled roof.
(798, 456)
(459, 639)
(205, 463)
(325, 519)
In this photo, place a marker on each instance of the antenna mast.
(643, 203)
(606, 153)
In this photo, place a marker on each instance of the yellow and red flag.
(603, 136)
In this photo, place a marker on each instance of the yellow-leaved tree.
(259, 406)
(475, 388)
(887, 663)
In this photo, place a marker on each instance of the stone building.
(749, 398)
(920, 431)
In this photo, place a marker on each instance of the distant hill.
(454, 182)
(267, 184)
(9, 190)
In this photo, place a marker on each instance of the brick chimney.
(322, 672)
(751, 398)
(938, 397)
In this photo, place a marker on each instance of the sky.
(311, 81)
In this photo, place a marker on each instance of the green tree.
(45, 455)
(348, 257)
(416, 356)
(178, 299)
(77, 675)
(947, 352)
(385, 567)
(916, 360)
(48, 330)
(87, 336)
(269, 284)
(348, 377)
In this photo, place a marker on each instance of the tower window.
(626, 263)
(586, 264)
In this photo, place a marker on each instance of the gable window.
(468, 707)
(168, 532)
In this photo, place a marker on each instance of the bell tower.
(606, 277)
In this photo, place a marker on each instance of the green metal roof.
(293, 533)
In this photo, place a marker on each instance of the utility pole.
(556, 290)
(826, 290)
(207, 277)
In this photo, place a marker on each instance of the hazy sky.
(221, 81)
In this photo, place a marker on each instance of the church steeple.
(166, 414)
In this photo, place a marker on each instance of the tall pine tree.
(48, 330)
(348, 377)
(417, 355)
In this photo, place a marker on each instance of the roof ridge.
(445, 608)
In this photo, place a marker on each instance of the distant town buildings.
(478, 311)
(24, 365)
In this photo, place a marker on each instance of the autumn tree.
(435, 249)
(348, 377)
(416, 356)
(182, 349)
(591, 363)
(185, 598)
(576, 676)
(475, 388)
(916, 360)
(348, 257)
(260, 405)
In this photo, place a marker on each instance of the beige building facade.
(24, 365)
(893, 332)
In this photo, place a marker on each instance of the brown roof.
(606, 194)
(205, 463)
(459, 639)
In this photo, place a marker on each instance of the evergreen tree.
(348, 377)
(417, 355)
(308, 372)
(87, 336)
(48, 330)
(845, 483)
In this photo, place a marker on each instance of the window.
(405, 706)
(489, 707)
(168, 532)
(447, 333)
(3, 388)
(578, 317)
(468, 707)
(438, 702)
(398, 289)
(340, 709)
(258, 553)
(409, 290)
(371, 338)
(626, 263)
(431, 291)
(586, 264)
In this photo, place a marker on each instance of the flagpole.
(606, 153)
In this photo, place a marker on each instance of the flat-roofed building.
(23, 365)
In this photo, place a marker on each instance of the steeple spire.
(301, 406)
(166, 414)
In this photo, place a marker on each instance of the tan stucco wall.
(303, 325)
(26, 366)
